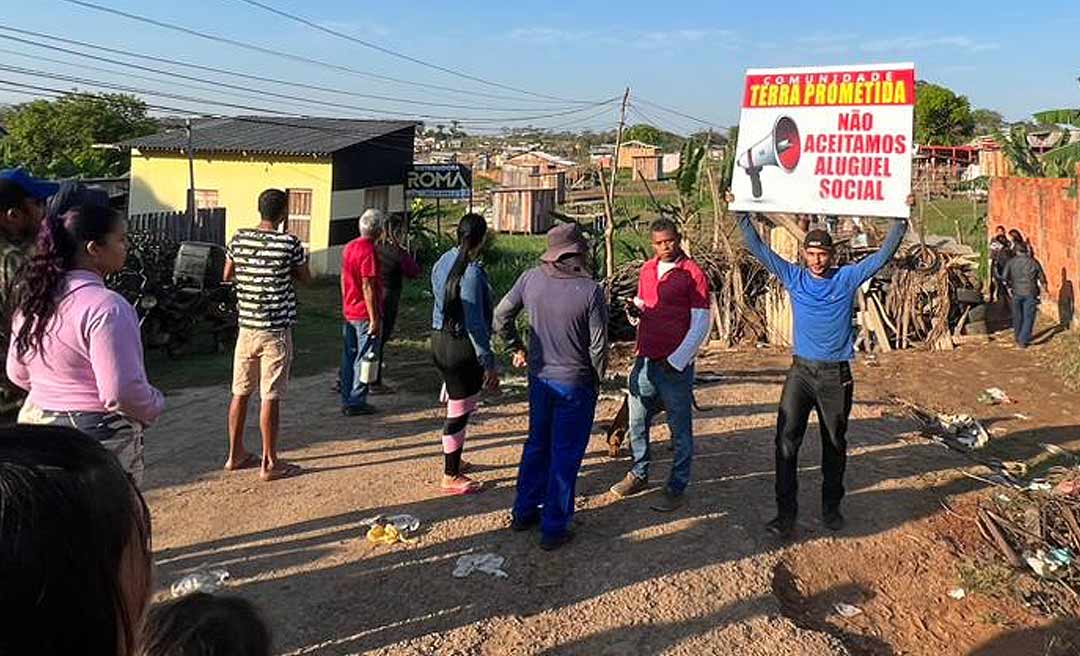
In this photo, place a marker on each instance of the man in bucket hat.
(22, 207)
(566, 357)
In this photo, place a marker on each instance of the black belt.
(820, 364)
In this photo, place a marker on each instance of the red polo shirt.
(665, 319)
(358, 261)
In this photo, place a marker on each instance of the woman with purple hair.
(76, 347)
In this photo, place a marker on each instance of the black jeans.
(825, 387)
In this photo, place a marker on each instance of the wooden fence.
(208, 226)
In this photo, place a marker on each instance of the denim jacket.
(476, 300)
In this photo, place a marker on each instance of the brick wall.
(1047, 212)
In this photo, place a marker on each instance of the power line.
(676, 112)
(653, 121)
(258, 78)
(128, 74)
(49, 92)
(165, 94)
(399, 55)
(277, 53)
(277, 96)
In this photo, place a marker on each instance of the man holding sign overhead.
(834, 141)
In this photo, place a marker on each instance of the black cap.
(818, 239)
(72, 194)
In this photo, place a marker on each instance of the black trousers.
(824, 387)
(390, 307)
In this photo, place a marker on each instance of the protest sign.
(826, 140)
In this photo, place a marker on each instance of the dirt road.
(703, 580)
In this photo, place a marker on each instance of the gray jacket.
(1023, 273)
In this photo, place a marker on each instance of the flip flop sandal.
(284, 471)
(247, 463)
(461, 488)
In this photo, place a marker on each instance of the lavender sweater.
(567, 324)
(91, 358)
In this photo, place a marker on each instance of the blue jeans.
(560, 422)
(358, 343)
(1023, 317)
(654, 386)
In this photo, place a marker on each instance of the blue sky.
(688, 56)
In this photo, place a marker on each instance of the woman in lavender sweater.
(75, 344)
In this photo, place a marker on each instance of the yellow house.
(333, 169)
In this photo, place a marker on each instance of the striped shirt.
(263, 260)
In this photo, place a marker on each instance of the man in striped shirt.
(264, 262)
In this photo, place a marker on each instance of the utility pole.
(609, 198)
(191, 175)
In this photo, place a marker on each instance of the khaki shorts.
(263, 359)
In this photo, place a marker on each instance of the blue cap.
(34, 187)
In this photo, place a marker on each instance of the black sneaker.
(782, 526)
(358, 410)
(551, 543)
(669, 502)
(519, 525)
(833, 520)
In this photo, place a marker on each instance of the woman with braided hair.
(75, 344)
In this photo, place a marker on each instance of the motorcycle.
(176, 308)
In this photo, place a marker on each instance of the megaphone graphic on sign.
(781, 147)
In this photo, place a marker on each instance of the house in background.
(630, 150)
(647, 167)
(670, 163)
(333, 169)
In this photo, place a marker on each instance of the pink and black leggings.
(462, 379)
(453, 439)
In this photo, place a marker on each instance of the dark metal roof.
(274, 135)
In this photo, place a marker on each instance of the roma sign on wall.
(827, 140)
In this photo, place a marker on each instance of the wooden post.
(609, 193)
(719, 210)
(191, 173)
(609, 238)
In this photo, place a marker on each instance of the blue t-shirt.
(822, 307)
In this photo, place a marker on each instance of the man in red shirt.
(361, 299)
(673, 305)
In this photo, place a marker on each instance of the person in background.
(1016, 238)
(395, 264)
(1000, 252)
(461, 343)
(1024, 276)
(201, 624)
(567, 359)
(76, 346)
(361, 304)
(22, 208)
(673, 302)
(264, 262)
(75, 557)
(822, 301)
